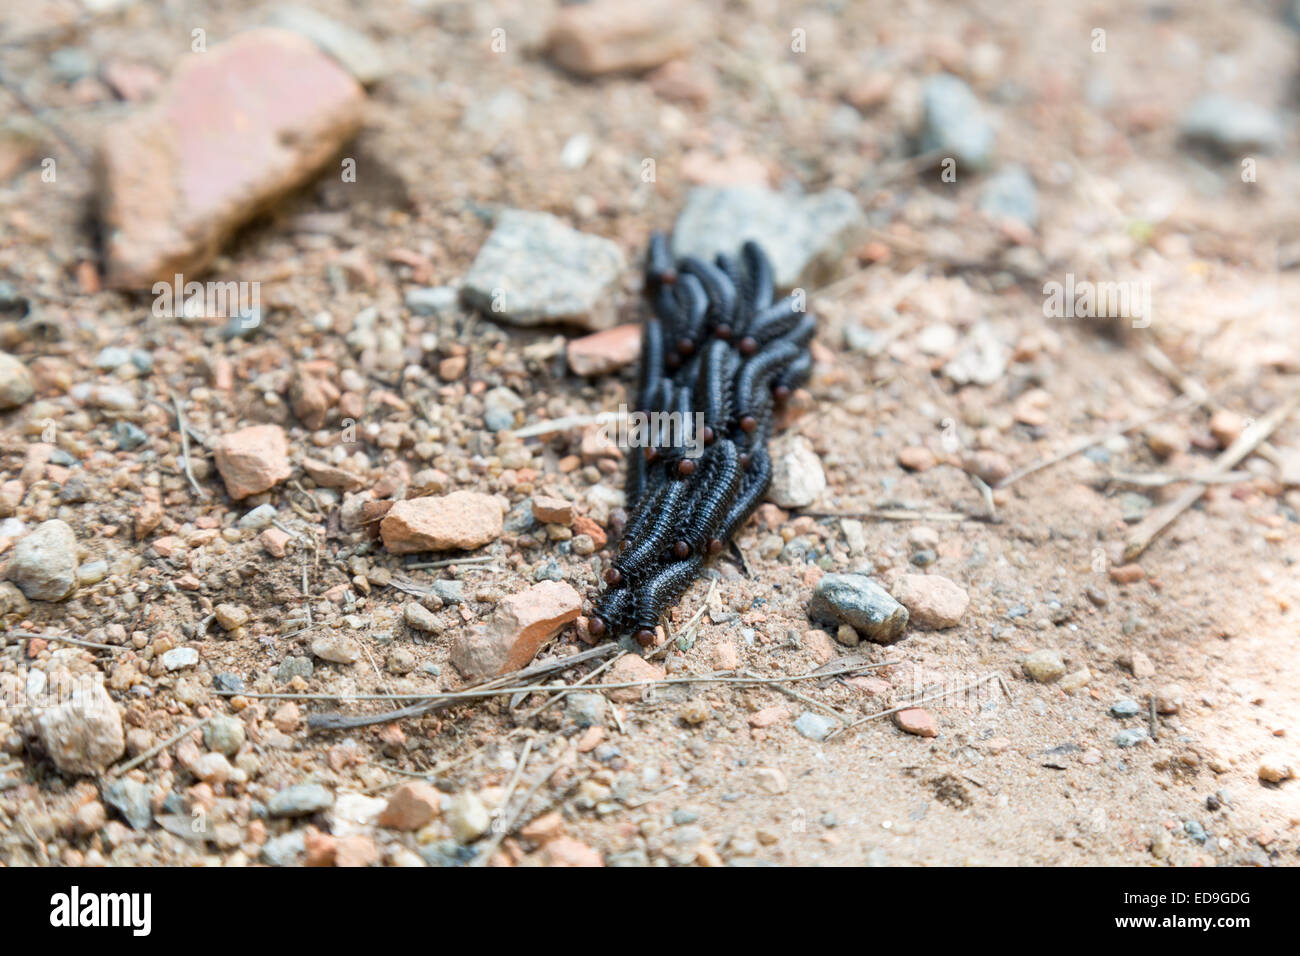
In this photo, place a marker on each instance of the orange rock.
(545, 828)
(356, 850)
(275, 541)
(253, 460)
(411, 807)
(174, 191)
(768, 716)
(549, 510)
(320, 847)
(916, 458)
(522, 623)
(917, 721)
(564, 851)
(603, 352)
(1127, 573)
(462, 519)
(584, 525)
(630, 667)
(590, 739)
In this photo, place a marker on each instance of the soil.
(1021, 772)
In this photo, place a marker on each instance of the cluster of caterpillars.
(720, 353)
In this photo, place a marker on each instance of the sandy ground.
(1029, 775)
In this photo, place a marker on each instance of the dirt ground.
(1021, 771)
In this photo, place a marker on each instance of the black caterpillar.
(722, 354)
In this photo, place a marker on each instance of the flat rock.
(412, 806)
(603, 352)
(915, 720)
(83, 734)
(860, 602)
(253, 460)
(612, 36)
(521, 624)
(806, 236)
(550, 510)
(462, 520)
(932, 600)
(629, 668)
(236, 128)
(535, 269)
(797, 475)
(44, 563)
(336, 648)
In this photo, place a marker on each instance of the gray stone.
(283, 850)
(1133, 507)
(82, 734)
(1125, 708)
(356, 53)
(16, 385)
(798, 478)
(178, 658)
(535, 269)
(132, 800)
(1010, 194)
(432, 300)
(499, 407)
(226, 681)
(813, 726)
(300, 800)
(586, 708)
(44, 563)
(806, 236)
(981, 360)
(1231, 126)
(259, 518)
(111, 357)
(420, 618)
(128, 435)
(1131, 737)
(955, 123)
(1044, 666)
(292, 667)
(451, 592)
(860, 602)
(224, 735)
